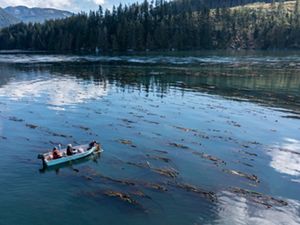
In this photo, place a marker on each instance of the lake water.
(202, 138)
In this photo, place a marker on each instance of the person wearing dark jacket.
(70, 150)
(56, 154)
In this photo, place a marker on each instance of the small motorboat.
(79, 152)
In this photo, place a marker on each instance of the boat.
(81, 151)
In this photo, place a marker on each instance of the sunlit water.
(212, 138)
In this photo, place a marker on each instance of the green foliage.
(160, 25)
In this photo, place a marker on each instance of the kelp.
(250, 153)
(140, 165)
(168, 172)
(288, 151)
(154, 186)
(178, 145)
(128, 199)
(140, 194)
(124, 182)
(127, 121)
(259, 198)
(159, 158)
(91, 174)
(161, 151)
(127, 142)
(15, 119)
(251, 177)
(185, 129)
(210, 157)
(151, 122)
(122, 196)
(82, 127)
(31, 126)
(191, 188)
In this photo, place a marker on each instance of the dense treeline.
(180, 25)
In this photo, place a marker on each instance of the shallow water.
(208, 138)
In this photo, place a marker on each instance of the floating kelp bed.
(184, 145)
(259, 198)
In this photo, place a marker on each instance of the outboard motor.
(41, 156)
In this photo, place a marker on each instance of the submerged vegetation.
(189, 140)
(180, 25)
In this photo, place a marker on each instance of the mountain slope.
(27, 15)
(7, 19)
(194, 5)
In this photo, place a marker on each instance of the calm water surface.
(208, 138)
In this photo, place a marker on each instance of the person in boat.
(56, 154)
(70, 150)
(92, 144)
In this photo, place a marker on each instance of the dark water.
(212, 138)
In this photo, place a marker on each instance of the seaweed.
(75, 170)
(291, 117)
(191, 188)
(289, 151)
(127, 121)
(127, 198)
(259, 198)
(185, 129)
(15, 119)
(210, 157)
(91, 174)
(140, 194)
(31, 126)
(125, 142)
(161, 151)
(82, 127)
(87, 177)
(157, 187)
(151, 122)
(168, 172)
(178, 145)
(164, 159)
(251, 177)
(250, 153)
(124, 182)
(140, 165)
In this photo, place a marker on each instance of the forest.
(161, 25)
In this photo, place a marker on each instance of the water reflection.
(170, 132)
(234, 209)
(286, 157)
(278, 88)
(57, 92)
(231, 59)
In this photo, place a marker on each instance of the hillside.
(7, 19)
(165, 26)
(194, 5)
(26, 14)
(287, 5)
